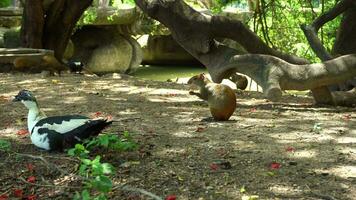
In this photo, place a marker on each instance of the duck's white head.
(27, 98)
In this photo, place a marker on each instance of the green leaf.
(86, 161)
(83, 170)
(242, 189)
(107, 168)
(102, 184)
(5, 145)
(85, 195)
(97, 169)
(101, 197)
(76, 196)
(71, 152)
(104, 140)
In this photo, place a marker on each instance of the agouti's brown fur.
(221, 98)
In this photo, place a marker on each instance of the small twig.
(43, 160)
(48, 185)
(142, 191)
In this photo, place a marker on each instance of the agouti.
(221, 98)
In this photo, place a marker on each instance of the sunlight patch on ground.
(344, 171)
(127, 112)
(167, 92)
(304, 154)
(239, 144)
(169, 99)
(30, 81)
(285, 190)
(124, 89)
(73, 99)
(9, 132)
(346, 140)
(183, 134)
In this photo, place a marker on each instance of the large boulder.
(103, 50)
(164, 50)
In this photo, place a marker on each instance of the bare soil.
(287, 150)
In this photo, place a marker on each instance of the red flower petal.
(18, 193)
(30, 167)
(171, 197)
(22, 132)
(275, 165)
(200, 129)
(97, 114)
(253, 110)
(290, 149)
(31, 179)
(31, 197)
(214, 166)
(4, 197)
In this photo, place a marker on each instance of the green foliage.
(5, 145)
(113, 142)
(278, 24)
(79, 150)
(96, 174)
(5, 3)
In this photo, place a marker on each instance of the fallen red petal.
(253, 110)
(347, 117)
(30, 167)
(4, 197)
(275, 165)
(31, 179)
(18, 193)
(290, 149)
(214, 166)
(22, 132)
(171, 197)
(97, 114)
(31, 197)
(200, 129)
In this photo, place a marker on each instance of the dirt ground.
(287, 150)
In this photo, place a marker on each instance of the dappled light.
(180, 144)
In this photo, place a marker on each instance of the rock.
(12, 38)
(103, 50)
(69, 52)
(164, 50)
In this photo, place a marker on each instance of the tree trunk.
(32, 24)
(51, 28)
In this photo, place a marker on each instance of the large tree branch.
(323, 94)
(196, 33)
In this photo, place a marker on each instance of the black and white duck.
(57, 132)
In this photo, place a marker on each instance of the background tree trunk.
(32, 24)
(51, 26)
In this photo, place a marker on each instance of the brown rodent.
(221, 98)
(47, 62)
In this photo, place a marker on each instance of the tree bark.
(51, 28)
(345, 38)
(61, 19)
(196, 33)
(32, 24)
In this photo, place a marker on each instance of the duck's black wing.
(66, 131)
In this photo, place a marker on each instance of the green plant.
(5, 145)
(95, 174)
(5, 3)
(114, 142)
